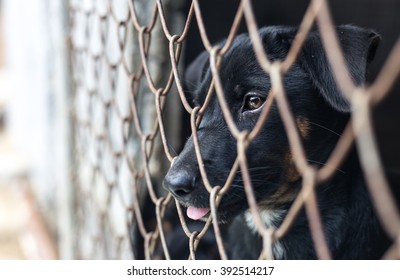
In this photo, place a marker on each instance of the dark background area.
(383, 16)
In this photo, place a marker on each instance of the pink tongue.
(197, 213)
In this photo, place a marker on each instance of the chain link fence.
(127, 98)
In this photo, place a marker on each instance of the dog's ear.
(194, 74)
(358, 46)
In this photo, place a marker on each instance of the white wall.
(36, 55)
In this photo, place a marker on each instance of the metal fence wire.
(126, 83)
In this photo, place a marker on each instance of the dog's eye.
(253, 102)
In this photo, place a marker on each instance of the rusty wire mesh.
(121, 126)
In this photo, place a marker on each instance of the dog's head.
(320, 110)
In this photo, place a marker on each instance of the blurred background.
(64, 191)
(33, 41)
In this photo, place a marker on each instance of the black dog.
(350, 226)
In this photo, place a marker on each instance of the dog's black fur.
(352, 231)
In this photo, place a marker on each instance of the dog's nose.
(180, 183)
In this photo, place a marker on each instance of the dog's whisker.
(265, 182)
(326, 128)
(190, 83)
(173, 152)
(261, 169)
(241, 188)
(324, 164)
